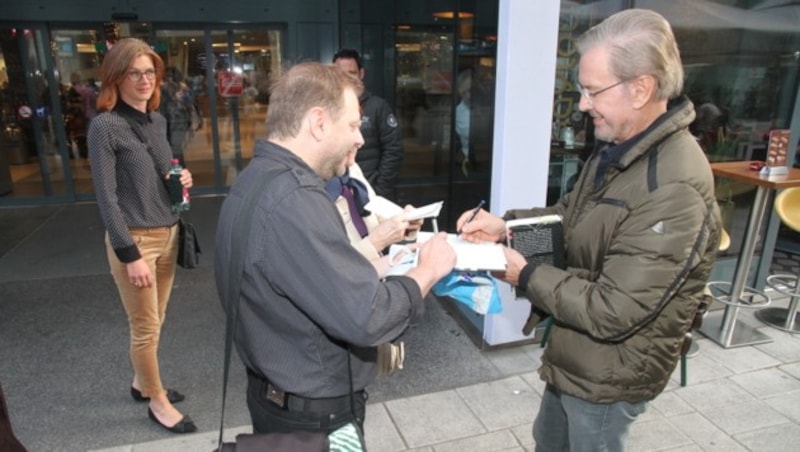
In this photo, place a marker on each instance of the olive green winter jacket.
(641, 228)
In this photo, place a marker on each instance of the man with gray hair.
(641, 228)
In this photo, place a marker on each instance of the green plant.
(722, 148)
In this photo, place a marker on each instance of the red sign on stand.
(229, 84)
(24, 111)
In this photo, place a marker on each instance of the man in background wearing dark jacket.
(382, 153)
(641, 228)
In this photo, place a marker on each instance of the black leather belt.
(293, 402)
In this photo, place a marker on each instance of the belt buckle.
(276, 396)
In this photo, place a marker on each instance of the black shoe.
(185, 425)
(172, 395)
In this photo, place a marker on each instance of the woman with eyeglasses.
(131, 158)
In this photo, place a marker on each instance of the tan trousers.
(146, 307)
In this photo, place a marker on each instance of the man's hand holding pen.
(473, 215)
(481, 226)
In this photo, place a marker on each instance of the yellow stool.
(787, 205)
(724, 242)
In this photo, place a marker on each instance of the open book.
(469, 256)
(539, 239)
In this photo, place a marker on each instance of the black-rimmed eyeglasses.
(136, 75)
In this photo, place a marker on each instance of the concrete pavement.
(65, 370)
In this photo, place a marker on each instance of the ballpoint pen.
(474, 214)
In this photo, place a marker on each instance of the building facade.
(435, 61)
(222, 56)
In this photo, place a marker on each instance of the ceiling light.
(451, 15)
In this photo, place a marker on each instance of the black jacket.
(382, 154)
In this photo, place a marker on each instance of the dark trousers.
(311, 415)
(8, 442)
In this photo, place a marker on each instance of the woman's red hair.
(114, 71)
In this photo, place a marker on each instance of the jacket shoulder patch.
(391, 120)
(658, 228)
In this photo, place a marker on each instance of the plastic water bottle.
(568, 136)
(178, 194)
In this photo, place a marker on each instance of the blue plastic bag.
(477, 290)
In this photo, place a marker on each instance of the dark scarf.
(360, 195)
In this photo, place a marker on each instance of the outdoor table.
(721, 326)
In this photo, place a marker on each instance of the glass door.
(185, 101)
(15, 134)
(76, 61)
(215, 96)
(33, 153)
(425, 98)
(445, 76)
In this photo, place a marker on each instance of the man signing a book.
(641, 227)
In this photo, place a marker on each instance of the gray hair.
(640, 42)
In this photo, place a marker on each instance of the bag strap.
(137, 130)
(239, 236)
(356, 425)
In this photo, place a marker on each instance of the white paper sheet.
(429, 211)
(469, 256)
(384, 208)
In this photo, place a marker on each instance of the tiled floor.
(738, 399)
(56, 301)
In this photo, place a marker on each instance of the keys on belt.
(276, 396)
(292, 402)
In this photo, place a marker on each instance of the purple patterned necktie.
(358, 222)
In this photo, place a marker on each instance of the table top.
(740, 171)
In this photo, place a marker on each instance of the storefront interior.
(741, 59)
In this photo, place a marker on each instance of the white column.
(526, 68)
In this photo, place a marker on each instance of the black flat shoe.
(172, 395)
(185, 425)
